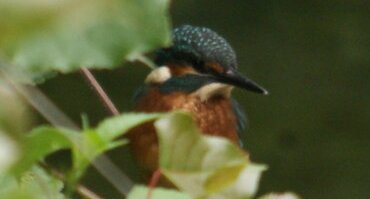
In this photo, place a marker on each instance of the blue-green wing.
(241, 118)
(139, 92)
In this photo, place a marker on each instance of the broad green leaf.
(85, 145)
(140, 192)
(39, 143)
(204, 166)
(114, 127)
(219, 179)
(33, 184)
(96, 141)
(246, 184)
(38, 36)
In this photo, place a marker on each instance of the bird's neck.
(190, 83)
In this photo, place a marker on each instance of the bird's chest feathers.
(214, 115)
(205, 98)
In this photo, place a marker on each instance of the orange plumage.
(214, 117)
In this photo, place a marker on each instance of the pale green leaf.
(85, 145)
(140, 192)
(204, 166)
(33, 184)
(182, 147)
(39, 143)
(114, 127)
(246, 184)
(94, 142)
(219, 179)
(43, 36)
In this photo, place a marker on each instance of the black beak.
(235, 78)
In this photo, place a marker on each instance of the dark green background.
(313, 56)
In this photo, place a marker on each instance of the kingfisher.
(195, 74)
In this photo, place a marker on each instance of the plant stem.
(99, 91)
(153, 182)
(125, 182)
(84, 191)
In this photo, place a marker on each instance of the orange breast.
(214, 117)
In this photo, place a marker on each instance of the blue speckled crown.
(196, 46)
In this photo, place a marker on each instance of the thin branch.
(118, 178)
(99, 91)
(153, 182)
(86, 192)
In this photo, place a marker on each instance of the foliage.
(85, 145)
(36, 183)
(204, 166)
(41, 37)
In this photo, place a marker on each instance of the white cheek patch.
(214, 89)
(158, 75)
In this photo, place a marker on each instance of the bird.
(196, 74)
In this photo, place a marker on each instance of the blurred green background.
(313, 130)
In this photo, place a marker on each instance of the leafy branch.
(61, 37)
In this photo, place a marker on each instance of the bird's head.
(199, 58)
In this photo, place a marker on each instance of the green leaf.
(85, 145)
(140, 192)
(39, 143)
(246, 184)
(219, 179)
(38, 37)
(114, 127)
(203, 166)
(33, 184)
(94, 142)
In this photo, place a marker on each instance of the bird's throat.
(211, 90)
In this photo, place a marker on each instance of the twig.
(118, 178)
(86, 192)
(99, 91)
(153, 182)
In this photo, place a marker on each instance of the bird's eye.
(200, 67)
